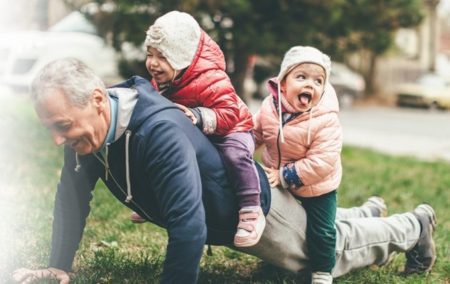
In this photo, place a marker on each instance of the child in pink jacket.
(298, 123)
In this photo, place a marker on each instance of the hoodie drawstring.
(280, 116)
(106, 163)
(127, 166)
(78, 166)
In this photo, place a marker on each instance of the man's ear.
(99, 100)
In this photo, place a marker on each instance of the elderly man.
(158, 164)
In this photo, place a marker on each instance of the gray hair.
(70, 76)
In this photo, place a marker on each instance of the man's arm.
(173, 171)
(71, 209)
(70, 212)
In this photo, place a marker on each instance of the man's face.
(82, 129)
(303, 86)
(158, 66)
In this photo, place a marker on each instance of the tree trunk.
(371, 72)
(240, 61)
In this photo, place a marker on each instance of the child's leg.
(320, 231)
(237, 153)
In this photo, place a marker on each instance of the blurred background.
(376, 45)
(387, 54)
(391, 71)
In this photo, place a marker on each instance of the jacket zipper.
(279, 149)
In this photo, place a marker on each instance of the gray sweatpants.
(361, 240)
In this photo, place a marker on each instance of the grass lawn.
(114, 250)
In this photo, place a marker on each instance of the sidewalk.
(395, 131)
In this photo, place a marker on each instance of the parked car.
(24, 53)
(348, 84)
(429, 91)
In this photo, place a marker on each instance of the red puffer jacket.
(205, 84)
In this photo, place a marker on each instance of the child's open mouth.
(305, 98)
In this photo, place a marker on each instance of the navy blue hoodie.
(177, 181)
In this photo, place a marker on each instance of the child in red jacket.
(188, 68)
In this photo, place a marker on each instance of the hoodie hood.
(149, 101)
(147, 105)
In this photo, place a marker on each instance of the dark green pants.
(320, 230)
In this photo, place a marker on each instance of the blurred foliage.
(266, 27)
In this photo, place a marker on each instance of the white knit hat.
(176, 35)
(304, 54)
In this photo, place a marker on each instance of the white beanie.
(304, 54)
(176, 35)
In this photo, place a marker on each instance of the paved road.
(420, 133)
(398, 131)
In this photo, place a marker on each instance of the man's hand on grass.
(24, 275)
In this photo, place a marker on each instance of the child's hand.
(188, 113)
(273, 175)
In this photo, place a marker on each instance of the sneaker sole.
(432, 214)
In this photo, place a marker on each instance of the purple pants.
(237, 153)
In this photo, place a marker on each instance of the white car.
(430, 91)
(348, 84)
(24, 53)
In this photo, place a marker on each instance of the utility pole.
(432, 17)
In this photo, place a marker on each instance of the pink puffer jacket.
(318, 161)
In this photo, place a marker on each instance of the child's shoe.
(321, 278)
(136, 218)
(251, 226)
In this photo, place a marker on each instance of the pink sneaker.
(136, 218)
(251, 226)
